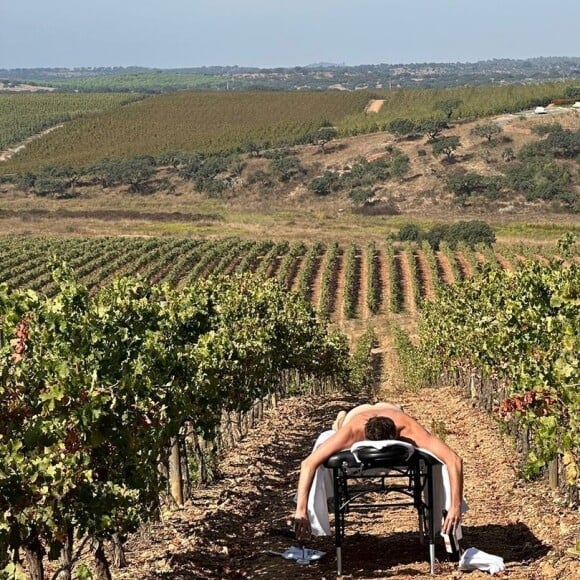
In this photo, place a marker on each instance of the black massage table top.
(370, 457)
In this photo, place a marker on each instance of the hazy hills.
(317, 76)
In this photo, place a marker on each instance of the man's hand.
(302, 528)
(451, 521)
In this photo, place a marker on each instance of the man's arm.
(341, 440)
(422, 438)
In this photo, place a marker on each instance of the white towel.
(474, 559)
(321, 491)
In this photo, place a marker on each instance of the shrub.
(325, 184)
(410, 233)
(433, 128)
(471, 232)
(468, 184)
(322, 137)
(508, 154)
(399, 165)
(361, 196)
(543, 129)
(487, 131)
(538, 179)
(377, 208)
(437, 234)
(446, 146)
(403, 128)
(54, 186)
(573, 93)
(465, 184)
(558, 142)
(286, 168)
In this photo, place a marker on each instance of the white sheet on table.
(321, 491)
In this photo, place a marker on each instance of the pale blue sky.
(284, 33)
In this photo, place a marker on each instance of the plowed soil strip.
(464, 265)
(296, 273)
(503, 262)
(480, 258)
(407, 282)
(317, 280)
(362, 307)
(445, 269)
(425, 275)
(273, 266)
(384, 281)
(338, 302)
(231, 267)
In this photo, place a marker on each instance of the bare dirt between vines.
(227, 529)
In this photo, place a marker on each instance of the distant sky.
(281, 33)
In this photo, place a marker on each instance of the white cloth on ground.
(474, 559)
(322, 488)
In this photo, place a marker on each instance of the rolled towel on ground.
(474, 559)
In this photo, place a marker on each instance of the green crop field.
(217, 122)
(24, 115)
(190, 121)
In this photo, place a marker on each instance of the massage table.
(401, 477)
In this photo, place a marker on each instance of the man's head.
(380, 429)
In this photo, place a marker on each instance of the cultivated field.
(222, 121)
(344, 281)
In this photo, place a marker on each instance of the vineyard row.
(343, 281)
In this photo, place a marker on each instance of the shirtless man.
(378, 422)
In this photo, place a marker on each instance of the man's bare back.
(350, 428)
(367, 411)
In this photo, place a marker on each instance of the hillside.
(252, 193)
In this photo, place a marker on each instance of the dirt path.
(407, 283)
(503, 262)
(425, 275)
(385, 284)
(375, 106)
(362, 306)
(227, 529)
(464, 265)
(296, 274)
(316, 284)
(337, 308)
(445, 268)
(480, 258)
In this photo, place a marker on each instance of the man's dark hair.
(380, 428)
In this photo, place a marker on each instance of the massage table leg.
(338, 500)
(421, 530)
